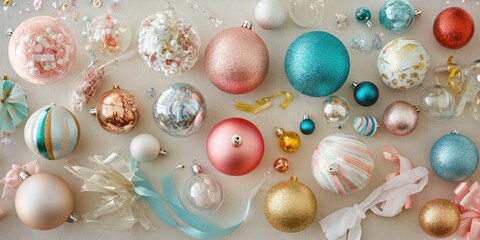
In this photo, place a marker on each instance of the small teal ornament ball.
(365, 93)
(397, 15)
(317, 64)
(454, 157)
(307, 126)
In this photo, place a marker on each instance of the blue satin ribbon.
(193, 226)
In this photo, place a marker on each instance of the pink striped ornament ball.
(342, 163)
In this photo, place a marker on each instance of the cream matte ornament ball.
(44, 201)
(145, 148)
(403, 63)
(271, 14)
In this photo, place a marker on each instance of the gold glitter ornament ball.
(439, 218)
(290, 206)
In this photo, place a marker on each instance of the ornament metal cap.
(354, 84)
(93, 111)
(247, 24)
(369, 23)
(236, 140)
(4, 77)
(279, 131)
(455, 131)
(72, 218)
(196, 169)
(293, 178)
(417, 11)
(116, 86)
(162, 152)
(23, 174)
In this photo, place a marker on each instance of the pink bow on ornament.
(468, 201)
(12, 181)
(390, 154)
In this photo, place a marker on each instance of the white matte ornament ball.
(271, 14)
(145, 148)
(44, 201)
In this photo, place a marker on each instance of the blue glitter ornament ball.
(454, 157)
(317, 64)
(396, 15)
(365, 93)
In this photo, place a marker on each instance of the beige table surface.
(137, 78)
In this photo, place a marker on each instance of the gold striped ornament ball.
(290, 206)
(52, 132)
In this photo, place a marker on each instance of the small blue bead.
(454, 157)
(307, 126)
(396, 15)
(366, 93)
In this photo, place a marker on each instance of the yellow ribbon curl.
(453, 83)
(112, 178)
(264, 103)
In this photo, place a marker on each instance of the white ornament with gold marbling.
(403, 63)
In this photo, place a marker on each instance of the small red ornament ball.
(453, 28)
(235, 146)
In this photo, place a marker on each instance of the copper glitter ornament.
(453, 28)
(400, 118)
(439, 218)
(290, 206)
(117, 111)
(236, 60)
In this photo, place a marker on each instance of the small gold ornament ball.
(290, 206)
(439, 218)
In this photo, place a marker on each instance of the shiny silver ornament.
(203, 192)
(335, 111)
(179, 110)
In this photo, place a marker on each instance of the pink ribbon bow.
(405, 165)
(12, 181)
(468, 201)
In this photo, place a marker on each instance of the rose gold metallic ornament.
(453, 28)
(290, 206)
(117, 111)
(281, 165)
(400, 118)
(439, 218)
(44, 201)
(235, 146)
(236, 60)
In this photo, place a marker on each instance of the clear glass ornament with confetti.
(109, 35)
(169, 42)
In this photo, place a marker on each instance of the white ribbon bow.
(345, 223)
(112, 177)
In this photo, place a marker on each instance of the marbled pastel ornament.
(366, 126)
(342, 163)
(403, 63)
(52, 132)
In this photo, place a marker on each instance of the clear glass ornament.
(437, 103)
(203, 192)
(306, 13)
(179, 110)
(109, 35)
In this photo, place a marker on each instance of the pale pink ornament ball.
(235, 146)
(236, 60)
(42, 50)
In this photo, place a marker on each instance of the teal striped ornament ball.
(366, 126)
(342, 163)
(52, 132)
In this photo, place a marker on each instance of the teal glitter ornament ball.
(307, 126)
(317, 64)
(397, 15)
(454, 157)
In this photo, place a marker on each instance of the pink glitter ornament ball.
(235, 146)
(236, 60)
(42, 50)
